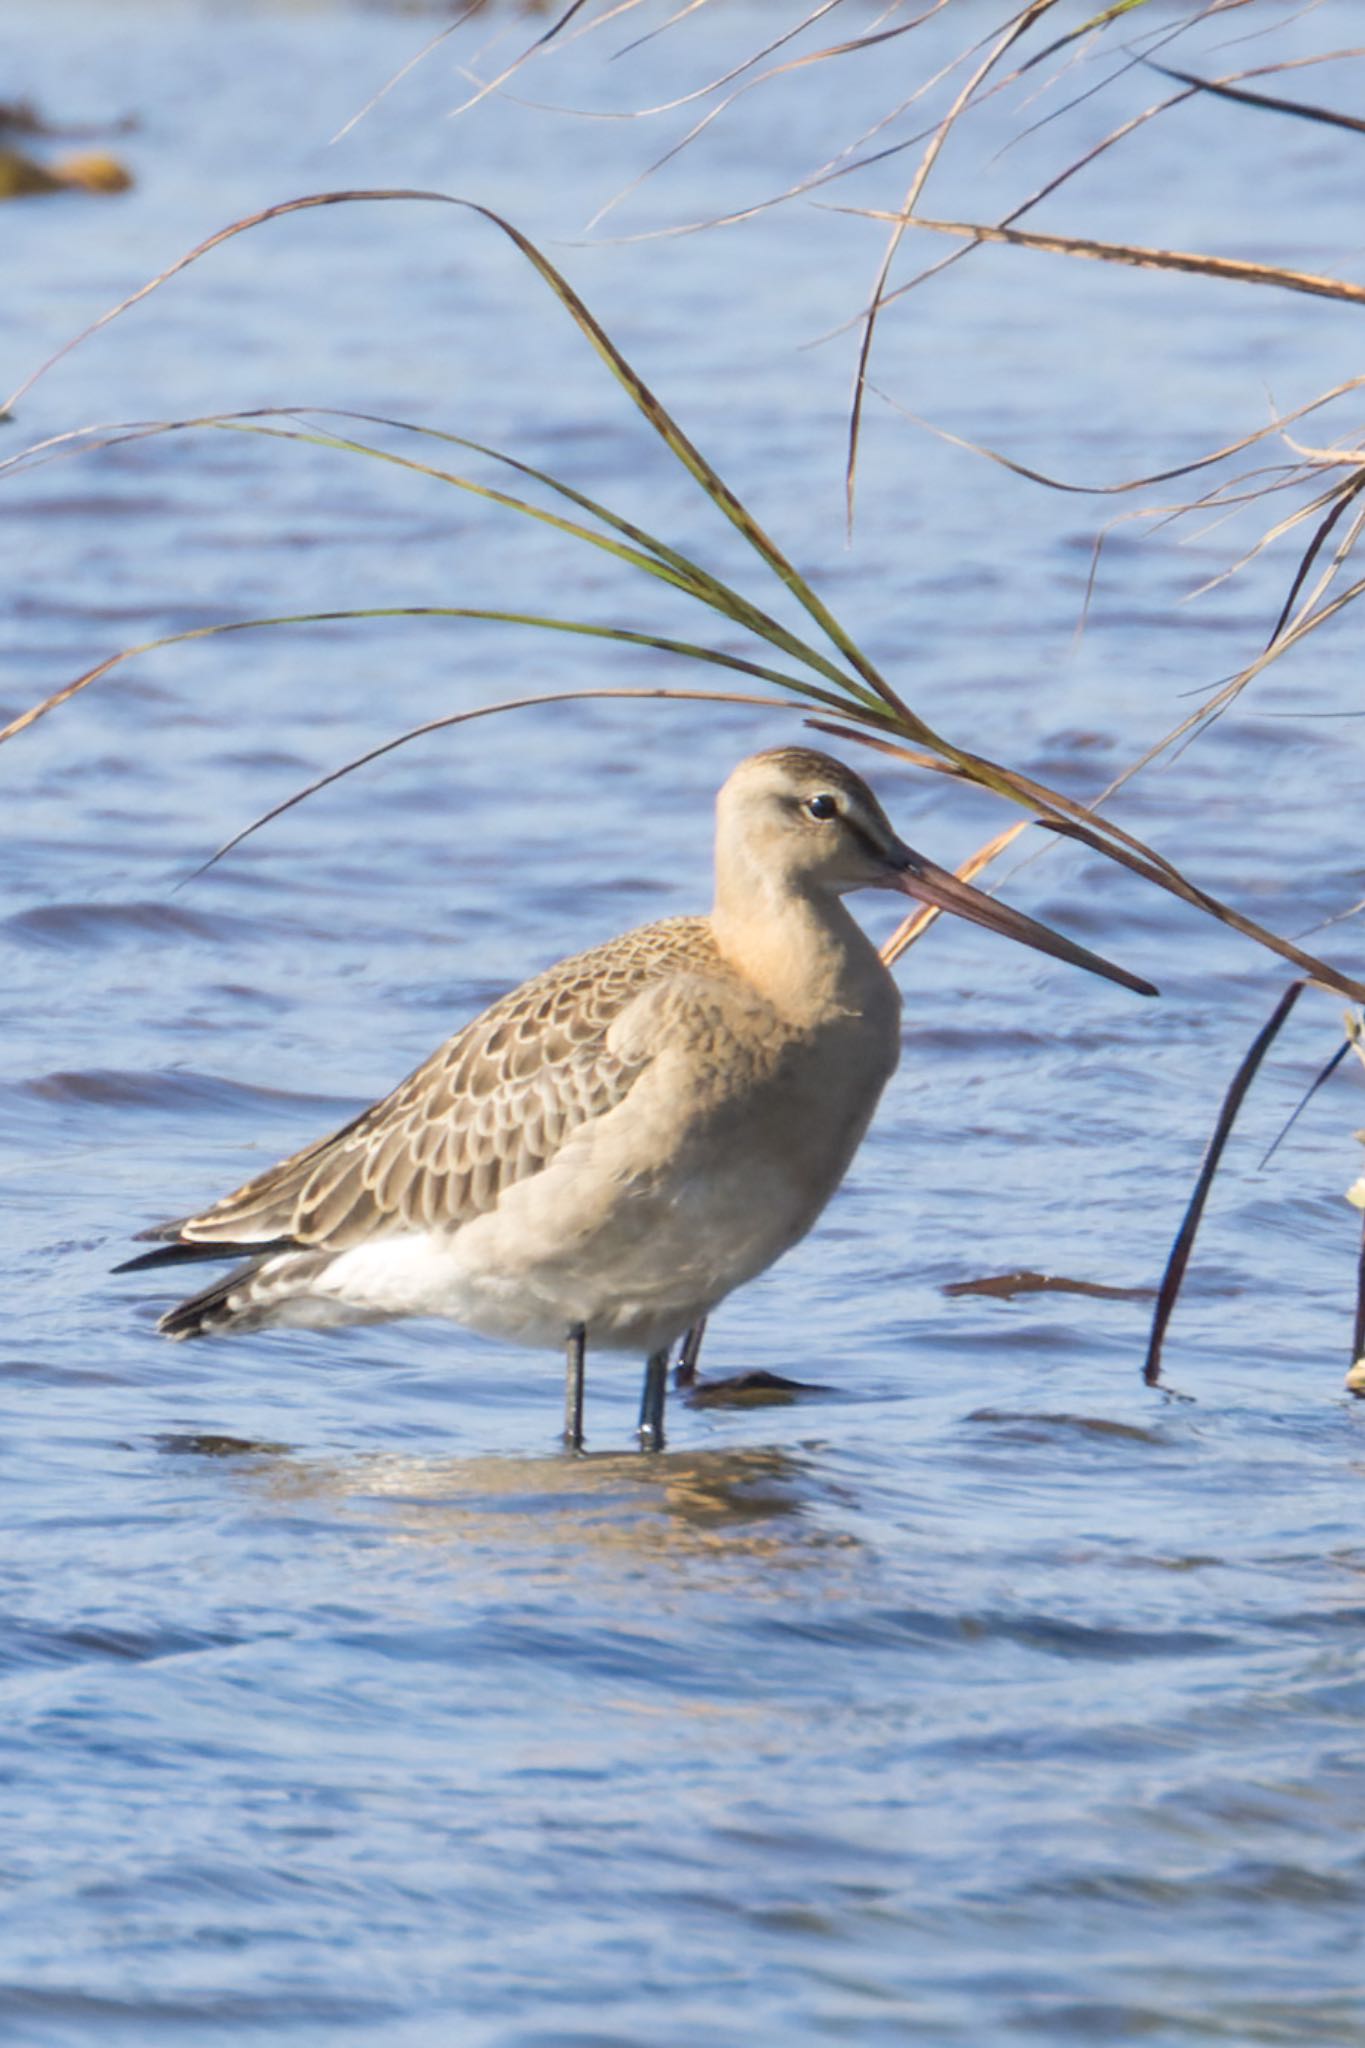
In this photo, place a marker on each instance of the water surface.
(986, 1697)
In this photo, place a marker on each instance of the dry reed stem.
(1010, 35)
(914, 926)
(1234, 269)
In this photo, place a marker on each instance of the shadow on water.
(747, 1506)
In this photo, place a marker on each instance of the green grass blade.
(656, 643)
(641, 549)
(645, 552)
(1020, 789)
(649, 406)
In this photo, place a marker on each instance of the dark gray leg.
(573, 1388)
(685, 1374)
(652, 1403)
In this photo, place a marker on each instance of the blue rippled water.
(982, 1696)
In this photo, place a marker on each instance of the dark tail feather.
(210, 1310)
(191, 1254)
(248, 1297)
(214, 1308)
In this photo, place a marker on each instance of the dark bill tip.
(928, 883)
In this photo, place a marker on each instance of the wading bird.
(613, 1148)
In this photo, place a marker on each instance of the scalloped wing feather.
(490, 1107)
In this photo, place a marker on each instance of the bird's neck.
(800, 949)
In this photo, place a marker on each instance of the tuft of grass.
(839, 676)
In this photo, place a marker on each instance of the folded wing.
(489, 1108)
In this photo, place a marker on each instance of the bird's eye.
(822, 806)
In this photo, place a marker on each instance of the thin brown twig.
(1233, 269)
(1011, 35)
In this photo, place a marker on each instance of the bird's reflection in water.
(748, 1506)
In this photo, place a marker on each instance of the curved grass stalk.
(1179, 1257)
(1042, 192)
(1127, 484)
(667, 562)
(548, 35)
(470, 8)
(851, 46)
(899, 940)
(657, 643)
(913, 927)
(657, 416)
(896, 718)
(452, 718)
(854, 702)
(990, 774)
(652, 556)
(1339, 498)
(1088, 828)
(1003, 43)
(918, 922)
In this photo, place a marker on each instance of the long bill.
(929, 883)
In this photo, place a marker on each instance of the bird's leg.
(652, 1403)
(573, 1387)
(685, 1373)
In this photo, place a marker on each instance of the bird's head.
(803, 821)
